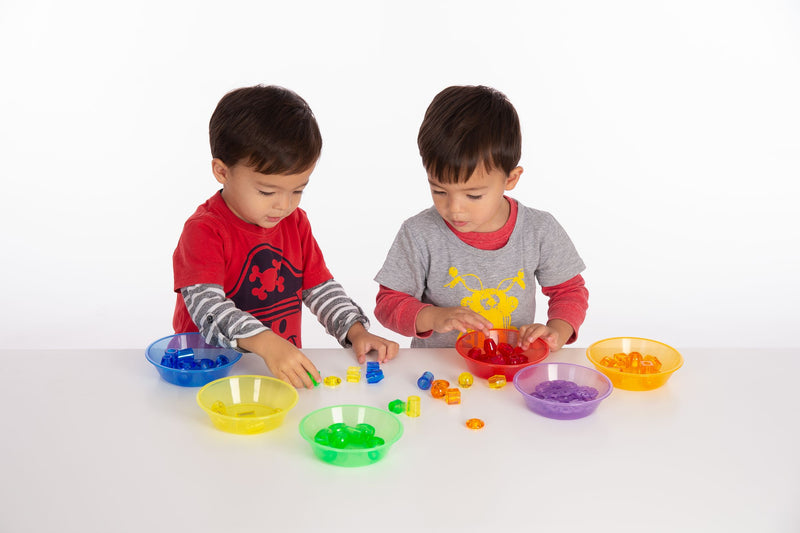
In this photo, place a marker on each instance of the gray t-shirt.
(430, 263)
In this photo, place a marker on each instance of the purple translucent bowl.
(526, 380)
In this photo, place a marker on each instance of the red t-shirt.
(264, 271)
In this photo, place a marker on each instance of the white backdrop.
(663, 135)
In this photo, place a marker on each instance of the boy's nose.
(453, 205)
(283, 201)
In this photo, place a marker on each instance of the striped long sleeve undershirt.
(221, 323)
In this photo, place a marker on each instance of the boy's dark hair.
(271, 129)
(465, 126)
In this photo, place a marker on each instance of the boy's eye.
(266, 193)
(474, 196)
(434, 191)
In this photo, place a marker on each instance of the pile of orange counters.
(633, 363)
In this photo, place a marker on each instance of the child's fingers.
(392, 349)
(310, 375)
(293, 379)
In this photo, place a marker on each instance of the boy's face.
(478, 204)
(260, 199)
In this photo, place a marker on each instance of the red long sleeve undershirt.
(567, 301)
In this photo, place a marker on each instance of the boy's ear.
(513, 178)
(220, 170)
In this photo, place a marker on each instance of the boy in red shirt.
(247, 258)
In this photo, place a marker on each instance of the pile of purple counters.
(184, 360)
(374, 372)
(563, 391)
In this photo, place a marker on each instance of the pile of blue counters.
(374, 372)
(184, 360)
(342, 436)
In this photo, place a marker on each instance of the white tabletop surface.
(96, 441)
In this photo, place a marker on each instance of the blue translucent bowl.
(201, 350)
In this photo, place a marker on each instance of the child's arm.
(221, 323)
(408, 316)
(345, 320)
(566, 312)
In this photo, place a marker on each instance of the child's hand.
(283, 358)
(555, 334)
(363, 341)
(444, 319)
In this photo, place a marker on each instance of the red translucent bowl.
(535, 353)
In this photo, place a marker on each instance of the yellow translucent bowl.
(247, 404)
(671, 360)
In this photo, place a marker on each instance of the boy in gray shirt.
(471, 262)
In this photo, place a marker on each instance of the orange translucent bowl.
(535, 353)
(671, 360)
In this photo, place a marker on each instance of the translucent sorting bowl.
(671, 360)
(247, 404)
(387, 426)
(201, 350)
(535, 353)
(528, 378)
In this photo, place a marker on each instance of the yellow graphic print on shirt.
(493, 304)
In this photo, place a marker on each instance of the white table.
(95, 441)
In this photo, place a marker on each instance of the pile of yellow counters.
(633, 363)
(353, 374)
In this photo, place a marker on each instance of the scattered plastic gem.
(222, 360)
(475, 423)
(397, 406)
(490, 346)
(505, 349)
(246, 413)
(207, 363)
(362, 434)
(647, 367)
(653, 359)
(497, 381)
(564, 391)
(413, 406)
(314, 381)
(465, 379)
(439, 387)
(332, 381)
(322, 436)
(452, 396)
(424, 381)
(338, 437)
(219, 407)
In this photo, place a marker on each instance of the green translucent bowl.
(387, 426)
